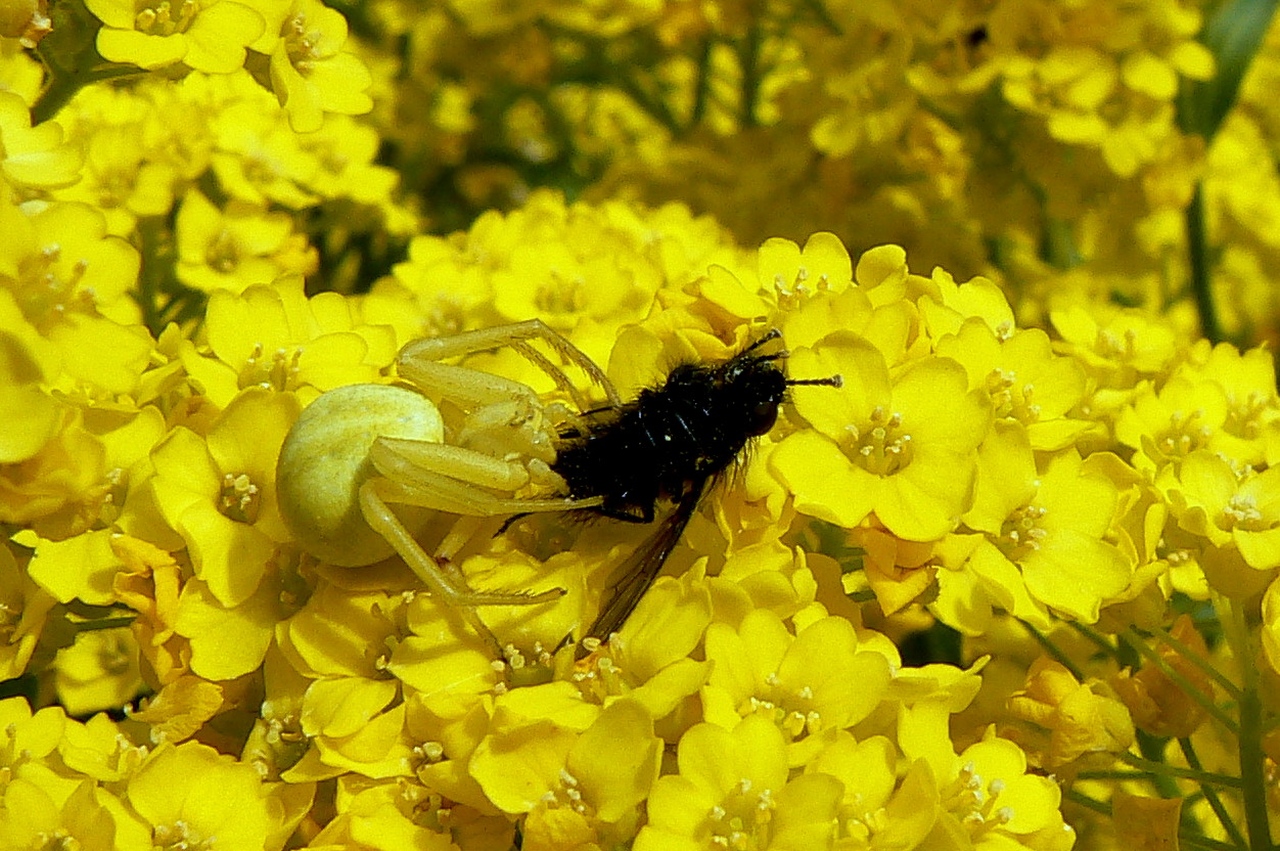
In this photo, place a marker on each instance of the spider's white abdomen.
(325, 460)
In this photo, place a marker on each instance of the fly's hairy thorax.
(669, 439)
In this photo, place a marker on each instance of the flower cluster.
(791, 722)
(1003, 573)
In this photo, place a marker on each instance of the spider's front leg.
(419, 362)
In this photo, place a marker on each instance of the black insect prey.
(670, 443)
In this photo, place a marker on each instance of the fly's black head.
(756, 386)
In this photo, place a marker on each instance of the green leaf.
(1233, 35)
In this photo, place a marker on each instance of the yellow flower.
(822, 265)
(61, 269)
(1241, 172)
(1050, 524)
(180, 708)
(355, 646)
(345, 150)
(1069, 719)
(1251, 427)
(74, 492)
(446, 728)
(522, 756)
(1116, 343)
(218, 492)
(121, 182)
(1025, 379)
(24, 607)
(948, 305)
(311, 73)
(550, 280)
(38, 815)
(100, 670)
(257, 157)
(26, 738)
(451, 278)
(56, 492)
(666, 626)
(139, 142)
(877, 308)
(871, 107)
(388, 816)
(230, 641)
(997, 802)
(33, 157)
(275, 336)
(901, 445)
(209, 36)
(648, 660)
(897, 571)
(879, 810)
(817, 681)
(1271, 625)
(1212, 499)
(1102, 76)
(733, 791)
(191, 794)
(1170, 424)
(99, 749)
(32, 416)
(590, 781)
(769, 574)
(149, 582)
(237, 247)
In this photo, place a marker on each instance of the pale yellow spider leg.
(446, 583)
(557, 374)
(487, 339)
(462, 532)
(454, 480)
(463, 384)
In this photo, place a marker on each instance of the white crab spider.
(358, 450)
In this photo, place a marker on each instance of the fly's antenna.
(771, 334)
(829, 381)
(836, 381)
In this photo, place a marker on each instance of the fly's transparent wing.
(633, 577)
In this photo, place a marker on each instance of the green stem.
(1085, 801)
(1058, 244)
(1252, 768)
(1211, 796)
(1130, 637)
(1053, 650)
(63, 87)
(1195, 658)
(1100, 640)
(654, 106)
(1198, 258)
(1198, 841)
(106, 623)
(1199, 776)
(1152, 750)
(820, 11)
(1116, 774)
(702, 87)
